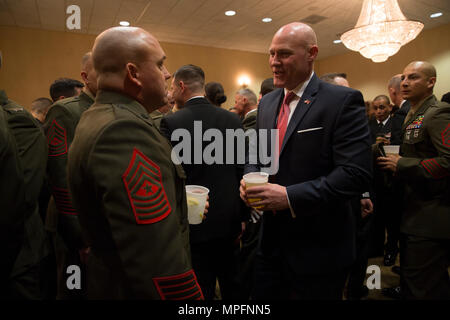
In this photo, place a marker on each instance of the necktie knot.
(289, 97)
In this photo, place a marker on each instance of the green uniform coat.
(132, 204)
(425, 168)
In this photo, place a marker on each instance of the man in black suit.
(307, 242)
(403, 108)
(245, 103)
(380, 126)
(214, 242)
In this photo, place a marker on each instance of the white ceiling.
(202, 22)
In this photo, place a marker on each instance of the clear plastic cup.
(391, 149)
(196, 201)
(253, 179)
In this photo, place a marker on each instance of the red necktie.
(283, 117)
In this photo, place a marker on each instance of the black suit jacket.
(325, 161)
(397, 122)
(225, 206)
(375, 129)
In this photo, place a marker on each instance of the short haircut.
(41, 105)
(329, 77)
(192, 76)
(384, 97)
(64, 87)
(446, 97)
(85, 59)
(395, 82)
(249, 94)
(214, 93)
(267, 86)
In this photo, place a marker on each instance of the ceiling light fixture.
(435, 15)
(381, 30)
(230, 13)
(267, 20)
(124, 23)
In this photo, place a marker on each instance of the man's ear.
(181, 85)
(133, 74)
(313, 52)
(431, 82)
(84, 76)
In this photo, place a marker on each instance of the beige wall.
(33, 59)
(371, 78)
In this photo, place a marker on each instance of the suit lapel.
(303, 106)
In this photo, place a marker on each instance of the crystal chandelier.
(381, 30)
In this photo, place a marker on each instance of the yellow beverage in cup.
(196, 201)
(253, 179)
(391, 149)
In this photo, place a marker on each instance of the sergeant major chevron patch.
(446, 136)
(57, 140)
(146, 193)
(179, 287)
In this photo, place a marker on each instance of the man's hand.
(271, 197)
(366, 207)
(389, 162)
(206, 207)
(383, 140)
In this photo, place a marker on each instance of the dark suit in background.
(213, 242)
(324, 162)
(379, 128)
(397, 122)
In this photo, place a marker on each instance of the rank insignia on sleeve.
(434, 169)
(63, 201)
(446, 136)
(145, 189)
(179, 287)
(57, 140)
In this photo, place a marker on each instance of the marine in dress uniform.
(62, 218)
(129, 195)
(27, 139)
(424, 166)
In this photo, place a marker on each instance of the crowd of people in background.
(89, 181)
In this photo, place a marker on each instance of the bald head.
(116, 47)
(292, 54)
(131, 61)
(418, 80)
(88, 74)
(423, 66)
(300, 33)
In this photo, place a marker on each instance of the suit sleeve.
(136, 184)
(434, 168)
(164, 128)
(60, 130)
(352, 166)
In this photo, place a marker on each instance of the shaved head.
(130, 60)
(418, 80)
(88, 74)
(299, 33)
(423, 66)
(292, 54)
(115, 47)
